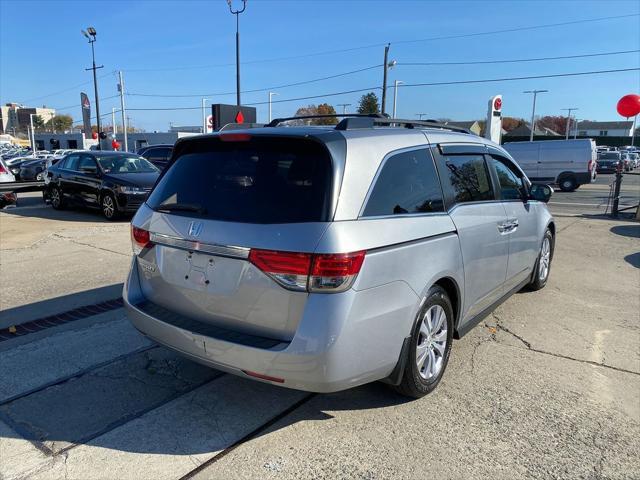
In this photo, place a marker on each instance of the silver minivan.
(322, 258)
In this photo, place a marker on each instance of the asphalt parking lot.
(548, 386)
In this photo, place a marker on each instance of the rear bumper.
(342, 341)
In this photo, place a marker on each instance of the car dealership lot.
(547, 386)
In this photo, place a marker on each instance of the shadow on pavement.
(633, 259)
(626, 230)
(71, 213)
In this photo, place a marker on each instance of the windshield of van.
(257, 180)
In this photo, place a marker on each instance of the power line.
(458, 82)
(62, 91)
(381, 44)
(275, 87)
(539, 59)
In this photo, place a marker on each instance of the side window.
(407, 183)
(511, 186)
(468, 178)
(71, 162)
(86, 161)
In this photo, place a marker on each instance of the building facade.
(15, 118)
(605, 129)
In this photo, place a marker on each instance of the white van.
(568, 163)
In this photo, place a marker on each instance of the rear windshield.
(261, 180)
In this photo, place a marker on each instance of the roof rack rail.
(276, 121)
(370, 122)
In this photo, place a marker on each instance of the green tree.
(38, 122)
(60, 123)
(369, 104)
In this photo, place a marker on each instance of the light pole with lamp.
(237, 14)
(533, 111)
(204, 116)
(91, 35)
(395, 95)
(33, 134)
(271, 94)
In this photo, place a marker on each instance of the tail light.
(589, 165)
(140, 239)
(330, 273)
(2, 169)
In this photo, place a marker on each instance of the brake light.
(2, 169)
(140, 239)
(329, 273)
(589, 165)
(235, 137)
(263, 376)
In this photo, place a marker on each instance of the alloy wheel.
(108, 208)
(432, 342)
(545, 259)
(55, 197)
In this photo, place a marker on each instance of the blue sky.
(187, 48)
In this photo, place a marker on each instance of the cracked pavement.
(547, 386)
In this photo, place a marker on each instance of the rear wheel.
(543, 264)
(57, 200)
(109, 207)
(568, 184)
(430, 346)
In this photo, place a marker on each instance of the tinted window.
(262, 180)
(86, 161)
(407, 183)
(158, 154)
(511, 186)
(468, 177)
(71, 162)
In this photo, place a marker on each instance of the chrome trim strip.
(213, 249)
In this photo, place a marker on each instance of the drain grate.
(59, 319)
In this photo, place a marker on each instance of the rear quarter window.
(261, 180)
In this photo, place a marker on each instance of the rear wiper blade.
(181, 207)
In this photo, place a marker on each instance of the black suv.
(159, 155)
(114, 182)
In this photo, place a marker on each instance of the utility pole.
(569, 110)
(91, 35)
(533, 111)
(204, 116)
(32, 137)
(420, 115)
(237, 14)
(270, 95)
(575, 132)
(344, 107)
(123, 111)
(387, 64)
(395, 95)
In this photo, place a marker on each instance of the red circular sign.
(497, 104)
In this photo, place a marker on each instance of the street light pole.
(33, 134)
(270, 95)
(123, 111)
(237, 14)
(395, 95)
(569, 110)
(204, 116)
(533, 110)
(91, 35)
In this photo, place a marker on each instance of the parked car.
(635, 159)
(114, 182)
(32, 170)
(321, 258)
(626, 161)
(608, 162)
(15, 163)
(6, 198)
(159, 155)
(567, 163)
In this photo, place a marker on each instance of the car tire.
(567, 184)
(108, 206)
(428, 353)
(543, 263)
(57, 198)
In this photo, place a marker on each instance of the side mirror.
(541, 193)
(91, 170)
